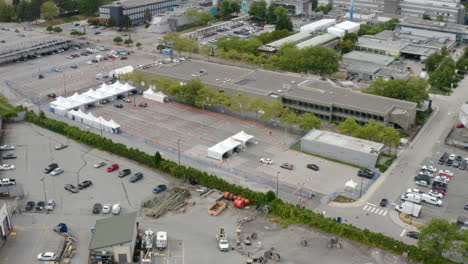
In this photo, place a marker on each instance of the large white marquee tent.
(96, 122)
(155, 96)
(242, 137)
(226, 146)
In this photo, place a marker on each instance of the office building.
(135, 9)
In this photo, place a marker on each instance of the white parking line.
(365, 207)
(385, 213)
(403, 232)
(371, 204)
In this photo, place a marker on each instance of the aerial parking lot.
(191, 232)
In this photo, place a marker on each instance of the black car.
(412, 234)
(443, 158)
(313, 167)
(84, 184)
(366, 173)
(74, 66)
(438, 184)
(138, 176)
(463, 164)
(71, 188)
(40, 206)
(449, 162)
(9, 155)
(29, 206)
(52, 95)
(383, 202)
(466, 207)
(41, 76)
(118, 105)
(124, 173)
(97, 207)
(51, 167)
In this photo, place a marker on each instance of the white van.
(116, 209)
(411, 197)
(431, 200)
(161, 240)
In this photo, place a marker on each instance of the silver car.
(56, 172)
(99, 164)
(50, 205)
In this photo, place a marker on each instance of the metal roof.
(382, 60)
(114, 230)
(296, 38)
(316, 41)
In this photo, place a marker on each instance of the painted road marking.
(371, 204)
(365, 207)
(403, 232)
(385, 213)
(373, 209)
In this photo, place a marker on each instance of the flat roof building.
(135, 9)
(430, 28)
(341, 147)
(327, 39)
(325, 99)
(5, 223)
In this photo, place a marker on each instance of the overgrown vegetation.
(422, 116)
(7, 110)
(324, 8)
(367, 29)
(261, 12)
(389, 159)
(413, 90)
(442, 70)
(286, 212)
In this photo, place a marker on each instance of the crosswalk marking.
(385, 213)
(403, 232)
(365, 207)
(375, 210)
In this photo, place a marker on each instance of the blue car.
(118, 106)
(160, 188)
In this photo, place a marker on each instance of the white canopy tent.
(155, 96)
(242, 137)
(226, 146)
(123, 70)
(351, 184)
(92, 121)
(62, 105)
(463, 115)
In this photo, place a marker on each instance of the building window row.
(305, 104)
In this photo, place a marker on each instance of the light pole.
(178, 149)
(45, 195)
(360, 191)
(277, 184)
(300, 192)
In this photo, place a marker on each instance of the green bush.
(286, 212)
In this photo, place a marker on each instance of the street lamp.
(178, 149)
(300, 192)
(360, 191)
(277, 184)
(43, 188)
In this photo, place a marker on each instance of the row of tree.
(195, 93)
(369, 29)
(436, 238)
(371, 131)
(227, 8)
(443, 70)
(198, 18)
(413, 90)
(270, 14)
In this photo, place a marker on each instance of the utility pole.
(43, 188)
(178, 149)
(64, 85)
(277, 184)
(360, 191)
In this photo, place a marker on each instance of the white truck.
(7, 182)
(223, 242)
(161, 240)
(431, 200)
(409, 208)
(411, 197)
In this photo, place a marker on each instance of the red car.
(111, 57)
(445, 175)
(460, 126)
(105, 58)
(113, 167)
(442, 191)
(95, 61)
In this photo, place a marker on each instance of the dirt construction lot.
(191, 233)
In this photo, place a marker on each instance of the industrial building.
(368, 66)
(429, 28)
(135, 9)
(18, 50)
(326, 99)
(295, 7)
(114, 239)
(5, 223)
(341, 147)
(450, 10)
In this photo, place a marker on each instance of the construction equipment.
(217, 208)
(147, 239)
(334, 243)
(62, 230)
(223, 242)
(175, 197)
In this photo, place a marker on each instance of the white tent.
(463, 115)
(351, 184)
(217, 151)
(155, 96)
(123, 70)
(92, 121)
(123, 87)
(86, 100)
(242, 137)
(62, 105)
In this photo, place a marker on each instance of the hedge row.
(287, 212)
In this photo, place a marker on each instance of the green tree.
(440, 19)
(189, 92)
(69, 5)
(89, 7)
(282, 19)
(433, 61)
(309, 121)
(138, 44)
(148, 16)
(426, 17)
(207, 50)
(413, 89)
(391, 138)
(324, 60)
(118, 40)
(437, 236)
(443, 78)
(272, 111)
(125, 22)
(198, 18)
(270, 15)
(50, 28)
(128, 42)
(240, 102)
(347, 46)
(15, 2)
(257, 105)
(7, 12)
(204, 96)
(235, 7)
(258, 11)
(225, 8)
(222, 99)
(23, 11)
(324, 8)
(36, 8)
(462, 64)
(49, 10)
(349, 126)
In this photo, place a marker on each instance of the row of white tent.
(90, 98)
(96, 122)
(155, 96)
(228, 145)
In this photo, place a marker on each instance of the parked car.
(435, 194)
(118, 105)
(383, 202)
(85, 184)
(432, 169)
(7, 147)
(99, 164)
(71, 188)
(287, 166)
(40, 206)
(412, 234)
(56, 172)
(366, 173)
(266, 160)
(51, 167)
(124, 173)
(113, 167)
(74, 66)
(312, 167)
(97, 207)
(7, 167)
(52, 95)
(422, 183)
(440, 190)
(136, 177)
(60, 146)
(47, 256)
(466, 207)
(106, 208)
(463, 164)
(439, 184)
(50, 205)
(9, 155)
(160, 188)
(423, 178)
(29, 206)
(460, 126)
(116, 209)
(450, 160)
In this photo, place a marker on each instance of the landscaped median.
(287, 213)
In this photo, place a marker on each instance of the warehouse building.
(326, 99)
(135, 9)
(429, 28)
(114, 239)
(5, 223)
(341, 147)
